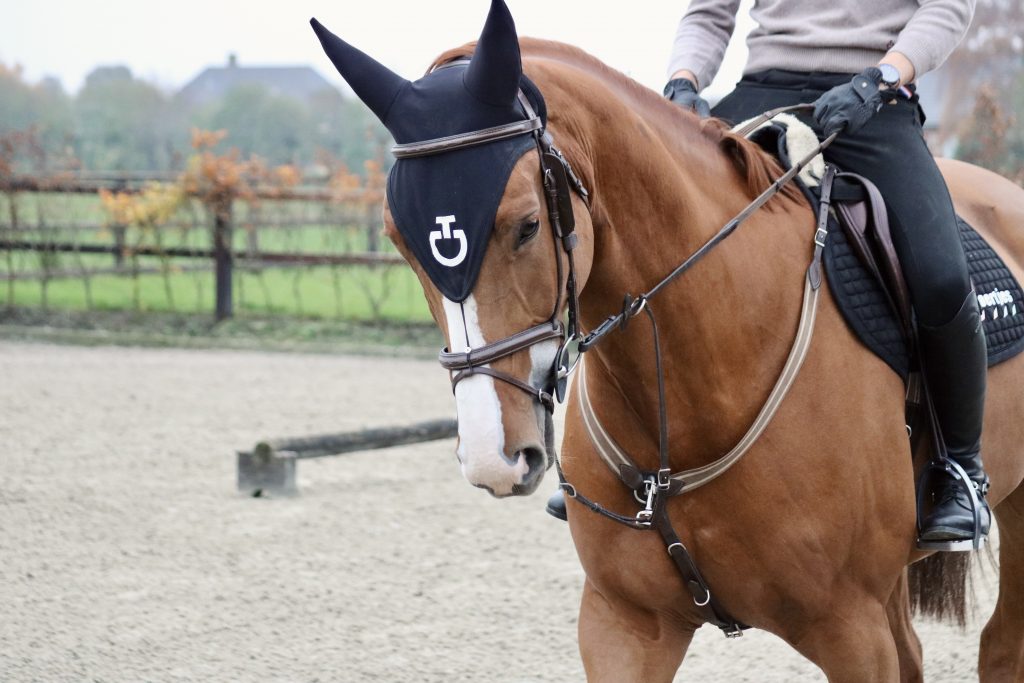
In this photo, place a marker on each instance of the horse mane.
(756, 168)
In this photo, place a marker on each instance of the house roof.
(298, 82)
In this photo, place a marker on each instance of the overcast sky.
(170, 41)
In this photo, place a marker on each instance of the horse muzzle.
(509, 471)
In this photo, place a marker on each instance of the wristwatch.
(890, 76)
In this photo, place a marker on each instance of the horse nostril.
(535, 461)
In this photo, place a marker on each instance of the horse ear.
(375, 84)
(494, 71)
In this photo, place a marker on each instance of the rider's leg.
(891, 152)
(955, 355)
(556, 506)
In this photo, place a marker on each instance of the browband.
(461, 140)
(448, 143)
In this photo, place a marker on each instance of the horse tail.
(941, 584)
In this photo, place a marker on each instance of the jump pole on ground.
(270, 466)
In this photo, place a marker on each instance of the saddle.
(864, 272)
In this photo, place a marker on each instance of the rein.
(633, 307)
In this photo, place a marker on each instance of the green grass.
(353, 293)
(312, 227)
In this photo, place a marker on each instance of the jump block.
(263, 471)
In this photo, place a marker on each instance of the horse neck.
(662, 189)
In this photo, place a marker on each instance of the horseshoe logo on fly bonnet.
(446, 233)
(481, 95)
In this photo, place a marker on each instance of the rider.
(857, 61)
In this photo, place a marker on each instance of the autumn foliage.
(156, 204)
(215, 178)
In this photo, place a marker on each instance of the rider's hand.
(852, 104)
(683, 92)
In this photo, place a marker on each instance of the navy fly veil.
(444, 204)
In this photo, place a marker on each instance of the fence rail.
(356, 259)
(87, 185)
(53, 230)
(122, 270)
(93, 226)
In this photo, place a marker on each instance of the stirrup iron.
(952, 468)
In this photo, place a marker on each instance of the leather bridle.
(559, 181)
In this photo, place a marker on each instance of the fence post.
(12, 207)
(120, 243)
(372, 228)
(120, 230)
(222, 259)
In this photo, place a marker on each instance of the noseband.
(559, 181)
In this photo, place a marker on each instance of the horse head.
(481, 205)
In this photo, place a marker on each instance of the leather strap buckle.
(732, 631)
(819, 237)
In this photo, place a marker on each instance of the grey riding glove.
(683, 92)
(852, 104)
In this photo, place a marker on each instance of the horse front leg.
(621, 643)
(853, 644)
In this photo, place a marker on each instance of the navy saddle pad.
(867, 311)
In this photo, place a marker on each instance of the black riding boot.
(955, 358)
(556, 505)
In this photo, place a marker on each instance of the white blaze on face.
(481, 434)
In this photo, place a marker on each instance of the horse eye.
(528, 231)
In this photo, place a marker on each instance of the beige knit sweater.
(841, 36)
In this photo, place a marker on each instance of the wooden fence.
(221, 255)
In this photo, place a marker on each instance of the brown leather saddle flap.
(865, 221)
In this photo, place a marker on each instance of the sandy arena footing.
(126, 555)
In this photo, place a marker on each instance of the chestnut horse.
(809, 535)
